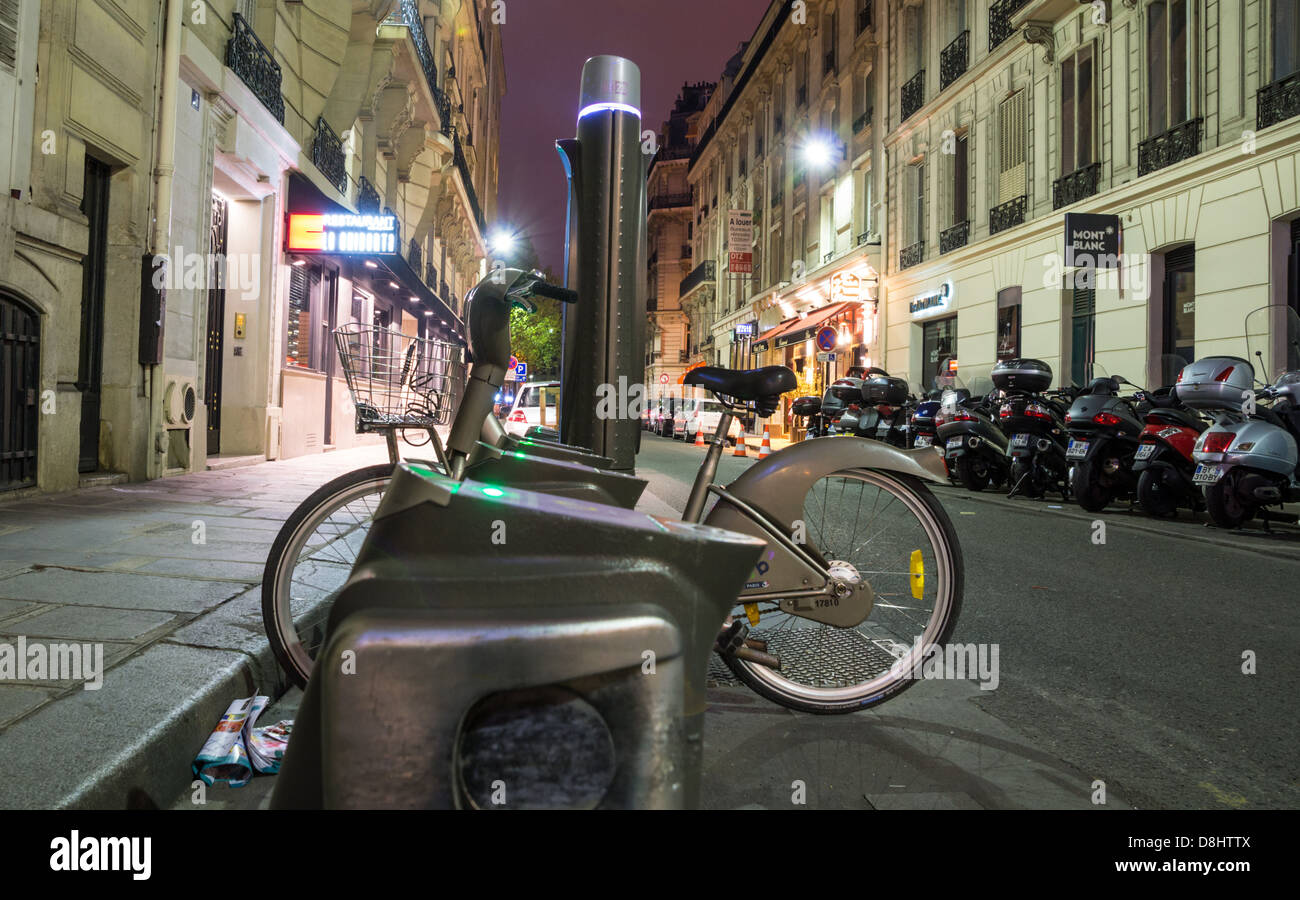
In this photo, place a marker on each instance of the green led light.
(520, 455)
(494, 492)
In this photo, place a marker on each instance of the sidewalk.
(180, 623)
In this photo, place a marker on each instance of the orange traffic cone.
(741, 449)
(699, 436)
(765, 449)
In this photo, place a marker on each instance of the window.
(1286, 38)
(916, 225)
(18, 41)
(960, 182)
(300, 349)
(1009, 323)
(914, 37)
(1012, 141)
(828, 42)
(1078, 107)
(1169, 81)
(1180, 303)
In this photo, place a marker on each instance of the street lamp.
(819, 151)
(502, 242)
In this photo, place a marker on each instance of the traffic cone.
(765, 449)
(699, 436)
(741, 449)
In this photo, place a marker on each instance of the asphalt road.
(1124, 660)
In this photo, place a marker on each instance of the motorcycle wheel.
(974, 474)
(1022, 478)
(1155, 496)
(1225, 507)
(1088, 491)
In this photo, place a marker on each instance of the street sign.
(663, 379)
(521, 370)
(826, 357)
(826, 338)
(514, 361)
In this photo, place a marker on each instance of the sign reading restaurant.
(1092, 240)
(343, 233)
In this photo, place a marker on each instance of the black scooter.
(1105, 430)
(974, 447)
(1034, 419)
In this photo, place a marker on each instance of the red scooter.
(1163, 461)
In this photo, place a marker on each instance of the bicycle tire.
(942, 524)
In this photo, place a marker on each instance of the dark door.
(90, 370)
(216, 323)
(938, 345)
(20, 344)
(1083, 344)
(1293, 290)
(329, 358)
(1180, 303)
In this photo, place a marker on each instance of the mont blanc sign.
(1092, 240)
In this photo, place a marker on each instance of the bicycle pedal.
(732, 636)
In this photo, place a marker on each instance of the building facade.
(201, 193)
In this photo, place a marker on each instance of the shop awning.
(792, 331)
(761, 342)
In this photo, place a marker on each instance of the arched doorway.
(20, 346)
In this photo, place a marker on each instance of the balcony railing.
(954, 237)
(1008, 215)
(670, 201)
(828, 257)
(462, 166)
(864, 17)
(255, 65)
(1077, 185)
(912, 94)
(862, 121)
(327, 156)
(408, 14)
(367, 196)
(431, 276)
(1000, 12)
(1278, 101)
(414, 255)
(910, 256)
(954, 59)
(704, 272)
(1175, 145)
(863, 238)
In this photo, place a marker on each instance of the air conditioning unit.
(180, 401)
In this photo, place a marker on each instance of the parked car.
(527, 410)
(702, 415)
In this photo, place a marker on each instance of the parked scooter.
(922, 425)
(879, 407)
(1034, 419)
(1105, 430)
(974, 447)
(1163, 461)
(1247, 460)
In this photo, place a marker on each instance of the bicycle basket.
(396, 380)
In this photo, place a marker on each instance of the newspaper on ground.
(237, 748)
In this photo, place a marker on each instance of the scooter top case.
(501, 648)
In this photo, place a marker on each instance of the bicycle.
(822, 626)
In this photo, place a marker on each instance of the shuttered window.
(9, 35)
(298, 341)
(1012, 146)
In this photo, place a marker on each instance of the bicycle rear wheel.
(892, 532)
(311, 558)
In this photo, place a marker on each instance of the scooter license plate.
(1146, 451)
(1207, 474)
(922, 440)
(1076, 450)
(1019, 440)
(954, 443)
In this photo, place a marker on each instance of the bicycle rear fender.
(778, 485)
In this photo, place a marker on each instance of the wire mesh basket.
(396, 380)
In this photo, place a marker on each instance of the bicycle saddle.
(754, 384)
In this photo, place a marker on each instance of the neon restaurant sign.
(342, 233)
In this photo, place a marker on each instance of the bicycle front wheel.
(894, 534)
(311, 558)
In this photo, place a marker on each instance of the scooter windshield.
(1273, 341)
(1168, 368)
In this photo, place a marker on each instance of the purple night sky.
(546, 43)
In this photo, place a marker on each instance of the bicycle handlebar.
(554, 291)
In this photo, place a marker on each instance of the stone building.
(216, 151)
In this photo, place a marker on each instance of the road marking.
(1233, 800)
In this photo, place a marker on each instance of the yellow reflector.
(918, 575)
(751, 610)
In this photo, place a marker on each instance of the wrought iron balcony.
(954, 59)
(408, 14)
(431, 276)
(1077, 185)
(1175, 145)
(1008, 215)
(327, 156)
(862, 121)
(367, 196)
(954, 237)
(255, 65)
(910, 256)
(1000, 12)
(828, 257)
(462, 166)
(414, 255)
(704, 273)
(912, 95)
(670, 201)
(864, 17)
(1278, 101)
(863, 238)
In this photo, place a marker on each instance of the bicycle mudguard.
(777, 486)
